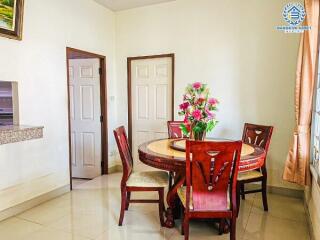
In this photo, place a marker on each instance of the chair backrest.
(174, 130)
(257, 135)
(125, 152)
(210, 167)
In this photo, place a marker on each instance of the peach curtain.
(298, 159)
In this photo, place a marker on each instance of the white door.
(85, 111)
(151, 93)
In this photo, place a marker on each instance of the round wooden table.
(160, 154)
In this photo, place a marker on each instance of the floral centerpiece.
(198, 111)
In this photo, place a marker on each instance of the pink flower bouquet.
(198, 111)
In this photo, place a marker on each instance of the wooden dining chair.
(211, 181)
(174, 130)
(138, 181)
(257, 135)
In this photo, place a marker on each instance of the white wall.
(38, 63)
(231, 45)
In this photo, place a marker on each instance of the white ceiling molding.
(118, 5)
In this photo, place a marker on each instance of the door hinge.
(100, 71)
(101, 118)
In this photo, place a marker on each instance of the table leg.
(171, 196)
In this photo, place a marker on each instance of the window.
(8, 103)
(315, 133)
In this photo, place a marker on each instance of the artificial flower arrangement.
(198, 111)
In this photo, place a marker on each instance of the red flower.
(188, 126)
(197, 85)
(210, 114)
(197, 114)
(213, 101)
(200, 100)
(186, 119)
(184, 106)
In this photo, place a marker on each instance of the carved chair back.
(257, 135)
(210, 167)
(174, 130)
(125, 152)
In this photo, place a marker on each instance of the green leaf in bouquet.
(200, 127)
(203, 88)
(184, 129)
(211, 125)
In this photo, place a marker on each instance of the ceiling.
(118, 5)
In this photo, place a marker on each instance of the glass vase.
(198, 136)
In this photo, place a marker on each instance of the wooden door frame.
(72, 53)
(129, 63)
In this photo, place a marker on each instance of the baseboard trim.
(115, 169)
(22, 207)
(309, 222)
(294, 193)
(288, 192)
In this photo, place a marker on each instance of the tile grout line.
(246, 225)
(252, 206)
(308, 220)
(27, 220)
(43, 224)
(278, 217)
(70, 232)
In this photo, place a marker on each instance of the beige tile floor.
(78, 181)
(91, 212)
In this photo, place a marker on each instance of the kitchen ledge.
(19, 133)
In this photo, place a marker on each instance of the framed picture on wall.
(11, 18)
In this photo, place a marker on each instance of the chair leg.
(186, 227)
(123, 205)
(170, 179)
(238, 198)
(128, 199)
(242, 191)
(182, 221)
(222, 226)
(161, 206)
(264, 194)
(233, 228)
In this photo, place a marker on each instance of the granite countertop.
(18, 133)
